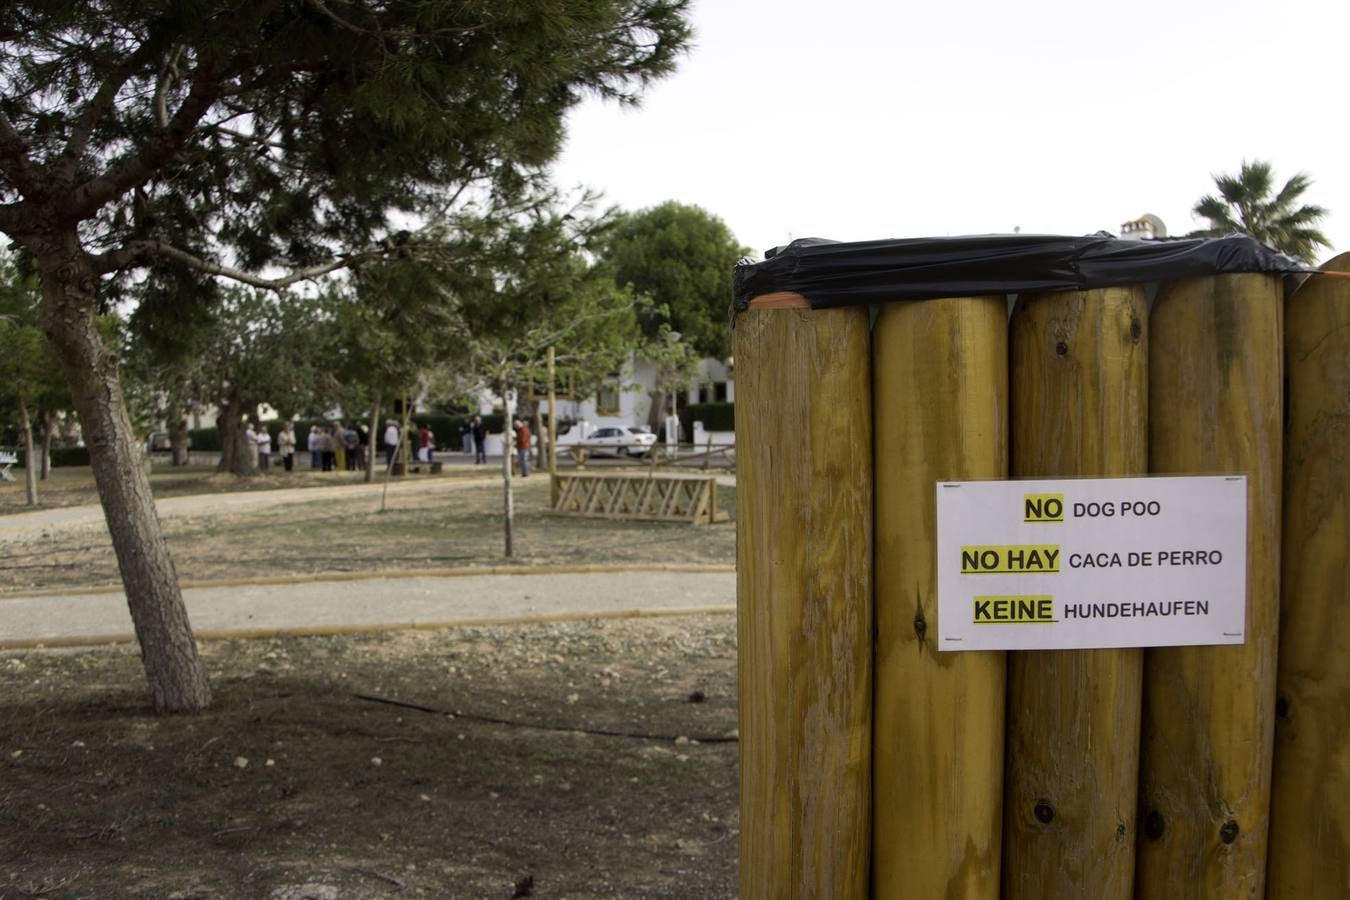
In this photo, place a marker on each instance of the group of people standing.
(336, 447)
(423, 442)
(330, 448)
(474, 437)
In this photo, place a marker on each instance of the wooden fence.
(872, 765)
(658, 496)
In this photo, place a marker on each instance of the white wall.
(637, 380)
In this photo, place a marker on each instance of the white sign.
(1083, 563)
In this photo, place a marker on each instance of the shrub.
(204, 438)
(61, 456)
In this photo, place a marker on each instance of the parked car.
(618, 440)
(161, 442)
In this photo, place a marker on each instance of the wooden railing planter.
(653, 496)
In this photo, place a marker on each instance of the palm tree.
(1245, 205)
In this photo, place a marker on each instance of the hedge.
(714, 416)
(445, 428)
(61, 456)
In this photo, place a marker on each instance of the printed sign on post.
(1090, 563)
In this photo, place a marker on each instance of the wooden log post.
(804, 601)
(940, 391)
(1310, 797)
(1215, 408)
(1079, 409)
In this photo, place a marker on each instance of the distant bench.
(7, 461)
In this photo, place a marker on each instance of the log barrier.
(874, 764)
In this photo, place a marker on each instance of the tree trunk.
(234, 452)
(508, 445)
(373, 443)
(178, 433)
(70, 429)
(540, 454)
(48, 430)
(656, 415)
(168, 650)
(30, 464)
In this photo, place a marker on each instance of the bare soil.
(418, 530)
(586, 759)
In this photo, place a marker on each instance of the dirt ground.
(421, 530)
(585, 759)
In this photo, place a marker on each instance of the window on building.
(607, 398)
(712, 392)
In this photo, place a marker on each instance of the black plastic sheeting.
(829, 273)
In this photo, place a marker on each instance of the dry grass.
(420, 530)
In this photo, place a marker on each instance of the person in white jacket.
(264, 439)
(286, 446)
(251, 445)
(390, 441)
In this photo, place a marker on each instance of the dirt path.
(380, 603)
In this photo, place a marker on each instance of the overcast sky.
(856, 120)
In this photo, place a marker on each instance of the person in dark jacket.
(479, 441)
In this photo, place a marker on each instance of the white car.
(617, 440)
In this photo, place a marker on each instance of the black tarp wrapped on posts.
(829, 273)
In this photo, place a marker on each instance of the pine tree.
(228, 136)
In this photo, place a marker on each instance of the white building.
(625, 398)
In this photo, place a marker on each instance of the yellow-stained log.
(1215, 400)
(1079, 409)
(804, 601)
(1310, 796)
(940, 395)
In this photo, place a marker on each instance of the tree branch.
(135, 252)
(242, 137)
(102, 102)
(137, 168)
(138, 252)
(14, 161)
(13, 216)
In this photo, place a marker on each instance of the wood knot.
(1228, 832)
(1044, 812)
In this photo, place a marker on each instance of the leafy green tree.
(231, 136)
(536, 287)
(30, 378)
(676, 368)
(394, 329)
(162, 361)
(264, 347)
(1247, 203)
(682, 258)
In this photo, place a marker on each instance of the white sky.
(856, 119)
